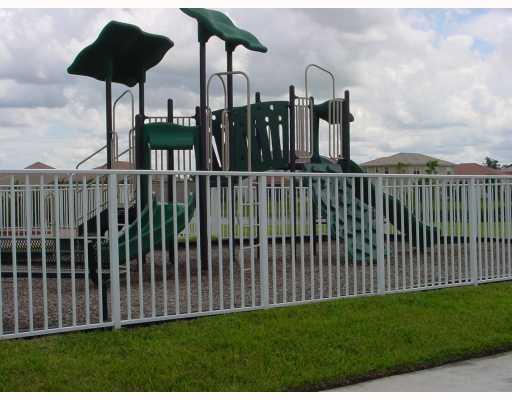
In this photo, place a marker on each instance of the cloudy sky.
(430, 81)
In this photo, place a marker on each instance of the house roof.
(121, 165)
(39, 165)
(474, 169)
(407, 159)
(33, 179)
(505, 171)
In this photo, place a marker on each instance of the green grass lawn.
(294, 348)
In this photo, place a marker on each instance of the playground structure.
(264, 136)
(229, 209)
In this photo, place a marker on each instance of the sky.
(432, 81)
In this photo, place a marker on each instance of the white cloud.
(415, 86)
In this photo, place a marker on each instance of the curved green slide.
(357, 222)
(172, 223)
(421, 234)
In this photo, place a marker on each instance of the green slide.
(346, 200)
(170, 220)
(420, 233)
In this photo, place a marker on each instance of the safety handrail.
(115, 136)
(128, 91)
(249, 131)
(335, 115)
(123, 152)
(321, 69)
(209, 144)
(91, 156)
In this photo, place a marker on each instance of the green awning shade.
(123, 52)
(214, 23)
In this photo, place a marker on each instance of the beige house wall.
(407, 169)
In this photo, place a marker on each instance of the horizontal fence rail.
(89, 249)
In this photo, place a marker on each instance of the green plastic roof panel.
(214, 23)
(121, 51)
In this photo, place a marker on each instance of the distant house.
(39, 165)
(33, 179)
(407, 163)
(475, 169)
(505, 171)
(120, 165)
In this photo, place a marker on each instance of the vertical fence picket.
(219, 207)
(115, 290)
(263, 240)
(29, 222)
(139, 249)
(380, 236)
(14, 255)
(44, 225)
(230, 210)
(57, 228)
(473, 221)
(126, 234)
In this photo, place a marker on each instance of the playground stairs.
(36, 253)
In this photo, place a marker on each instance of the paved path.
(476, 375)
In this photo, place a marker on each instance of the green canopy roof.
(121, 51)
(214, 23)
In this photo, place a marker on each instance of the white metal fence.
(81, 252)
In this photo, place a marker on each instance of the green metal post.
(203, 157)
(108, 106)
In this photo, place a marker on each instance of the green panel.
(169, 221)
(122, 51)
(166, 136)
(216, 132)
(394, 214)
(322, 111)
(365, 199)
(215, 23)
(347, 199)
(270, 151)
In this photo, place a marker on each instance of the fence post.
(115, 295)
(263, 241)
(379, 202)
(473, 223)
